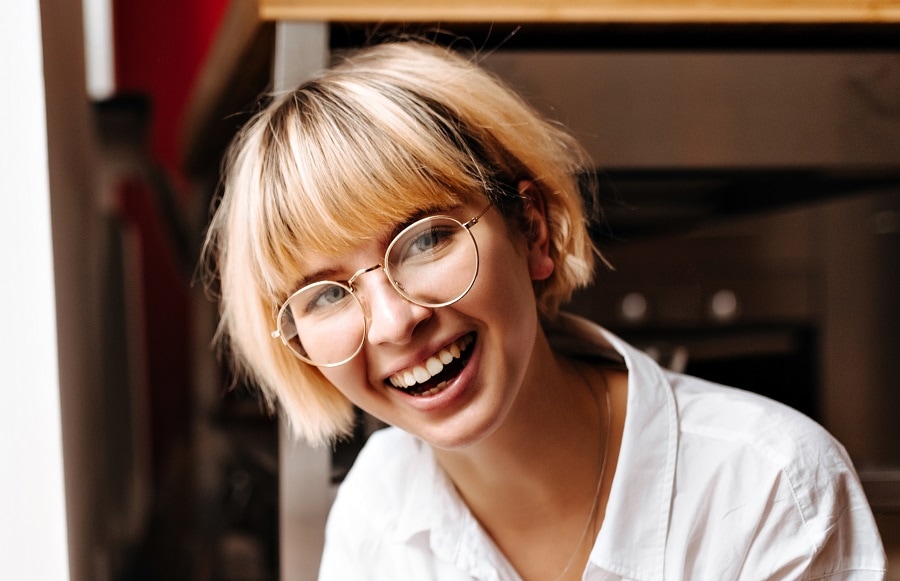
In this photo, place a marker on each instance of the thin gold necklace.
(593, 513)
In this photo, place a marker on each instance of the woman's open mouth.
(431, 376)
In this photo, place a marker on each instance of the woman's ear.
(540, 265)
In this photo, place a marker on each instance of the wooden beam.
(585, 11)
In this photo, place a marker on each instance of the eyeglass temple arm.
(475, 220)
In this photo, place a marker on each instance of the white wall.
(77, 226)
(53, 522)
(32, 507)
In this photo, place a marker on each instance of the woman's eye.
(429, 241)
(326, 298)
(426, 241)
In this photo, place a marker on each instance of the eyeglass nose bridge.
(394, 284)
(361, 272)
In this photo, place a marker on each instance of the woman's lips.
(431, 376)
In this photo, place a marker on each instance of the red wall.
(159, 48)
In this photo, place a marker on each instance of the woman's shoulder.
(389, 455)
(728, 414)
(374, 487)
(366, 523)
(388, 445)
(770, 445)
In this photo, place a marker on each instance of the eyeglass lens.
(432, 263)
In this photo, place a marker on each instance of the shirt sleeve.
(815, 523)
(835, 538)
(360, 542)
(351, 529)
(779, 503)
(836, 516)
(351, 545)
(341, 555)
(339, 558)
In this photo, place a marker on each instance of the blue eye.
(325, 298)
(428, 241)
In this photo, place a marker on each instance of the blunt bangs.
(350, 159)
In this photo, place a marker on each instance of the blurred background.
(750, 176)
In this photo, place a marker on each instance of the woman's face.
(483, 342)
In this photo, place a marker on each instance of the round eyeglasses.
(432, 262)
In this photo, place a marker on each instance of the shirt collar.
(632, 540)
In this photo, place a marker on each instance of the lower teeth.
(436, 389)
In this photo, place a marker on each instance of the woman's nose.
(392, 318)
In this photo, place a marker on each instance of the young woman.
(398, 234)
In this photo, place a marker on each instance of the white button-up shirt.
(712, 483)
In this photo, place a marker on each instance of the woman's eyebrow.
(415, 217)
(317, 276)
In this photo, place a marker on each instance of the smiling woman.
(398, 233)
(360, 150)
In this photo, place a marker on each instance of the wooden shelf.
(673, 11)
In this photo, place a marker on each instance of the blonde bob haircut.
(362, 146)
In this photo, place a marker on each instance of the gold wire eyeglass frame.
(278, 333)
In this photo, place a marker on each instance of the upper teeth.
(432, 366)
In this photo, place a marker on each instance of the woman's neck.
(543, 463)
(533, 483)
(553, 424)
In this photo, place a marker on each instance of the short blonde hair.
(388, 130)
